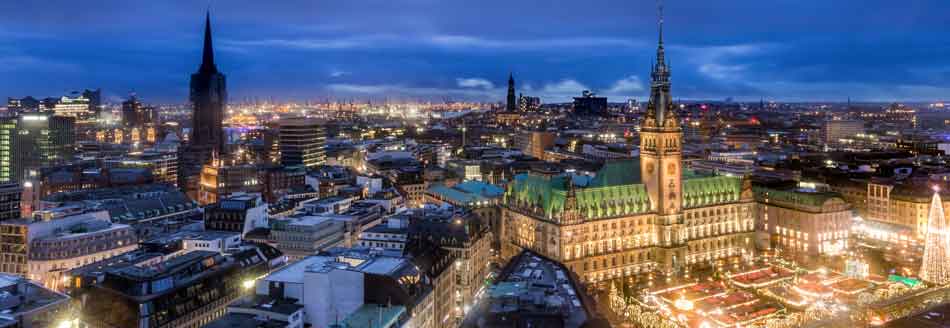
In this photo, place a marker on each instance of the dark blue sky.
(879, 50)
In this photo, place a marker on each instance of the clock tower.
(661, 141)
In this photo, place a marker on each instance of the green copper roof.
(615, 190)
(711, 190)
(617, 172)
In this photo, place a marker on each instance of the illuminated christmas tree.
(935, 267)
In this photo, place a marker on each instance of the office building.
(834, 131)
(534, 143)
(221, 178)
(302, 142)
(153, 288)
(136, 114)
(588, 104)
(802, 224)
(30, 141)
(41, 249)
(10, 194)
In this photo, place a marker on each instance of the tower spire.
(660, 112)
(207, 55)
(660, 53)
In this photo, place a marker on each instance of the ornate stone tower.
(661, 159)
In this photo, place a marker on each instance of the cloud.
(475, 83)
(625, 85)
(724, 62)
(559, 91)
(302, 44)
(721, 71)
(465, 41)
(14, 63)
(440, 41)
(338, 73)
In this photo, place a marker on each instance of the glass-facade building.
(30, 141)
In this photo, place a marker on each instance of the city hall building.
(632, 216)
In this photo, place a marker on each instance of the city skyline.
(868, 51)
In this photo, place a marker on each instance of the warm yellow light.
(248, 284)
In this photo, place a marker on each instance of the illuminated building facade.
(135, 114)
(42, 250)
(534, 143)
(904, 206)
(302, 142)
(803, 224)
(83, 107)
(31, 141)
(835, 130)
(220, 179)
(633, 216)
(10, 194)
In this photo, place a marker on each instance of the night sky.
(786, 50)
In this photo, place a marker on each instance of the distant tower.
(935, 267)
(209, 97)
(512, 104)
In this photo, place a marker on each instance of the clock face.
(649, 168)
(671, 169)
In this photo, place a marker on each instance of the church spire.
(207, 55)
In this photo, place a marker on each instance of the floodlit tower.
(935, 267)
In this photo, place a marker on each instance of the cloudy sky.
(878, 50)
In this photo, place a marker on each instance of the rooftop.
(374, 316)
(356, 259)
(531, 291)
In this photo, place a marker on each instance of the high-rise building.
(208, 98)
(588, 104)
(834, 131)
(512, 104)
(528, 103)
(135, 114)
(10, 194)
(302, 142)
(30, 141)
(633, 216)
(935, 266)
